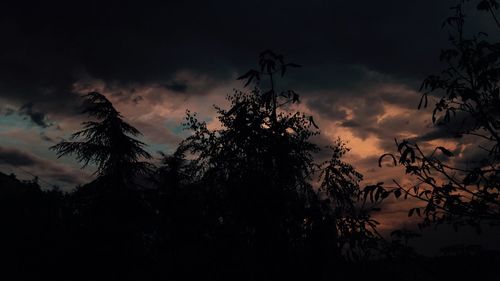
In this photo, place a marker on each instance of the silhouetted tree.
(180, 244)
(267, 219)
(453, 191)
(111, 217)
(355, 228)
(33, 236)
(106, 142)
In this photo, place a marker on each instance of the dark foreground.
(46, 237)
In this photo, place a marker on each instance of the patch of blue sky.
(12, 121)
(155, 148)
(177, 129)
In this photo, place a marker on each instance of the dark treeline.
(238, 202)
(53, 236)
(251, 200)
(232, 203)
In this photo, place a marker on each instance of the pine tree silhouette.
(107, 142)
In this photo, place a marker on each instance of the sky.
(363, 63)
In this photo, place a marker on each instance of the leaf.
(404, 155)
(401, 145)
(250, 75)
(397, 193)
(249, 80)
(472, 177)
(368, 191)
(283, 70)
(410, 213)
(246, 75)
(384, 195)
(382, 158)
(423, 99)
(445, 151)
(234, 109)
(311, 119)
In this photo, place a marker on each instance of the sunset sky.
(363, 62)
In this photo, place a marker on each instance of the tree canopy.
(457, 190)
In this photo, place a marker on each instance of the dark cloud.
(371, 162)
(137, 99)
(176, 86)
(16, 157)
(7, 111)
(473, 155)
(364, 111)
(54, 44)
(400, 98)
(458, 124)
(36, 117)
(328, 107)
(23, 161)
(350, 124)
(45, 137)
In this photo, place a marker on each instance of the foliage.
(106, 142)
(452, 191)
(356, 229)
(260, 168)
